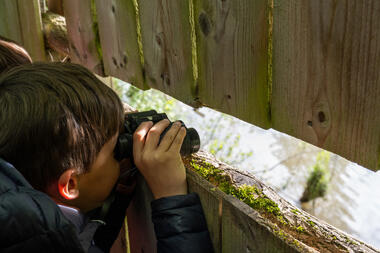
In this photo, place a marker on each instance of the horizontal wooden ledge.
(235, 225)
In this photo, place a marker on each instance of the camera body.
(124, 146)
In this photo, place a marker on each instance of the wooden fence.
(306, 68)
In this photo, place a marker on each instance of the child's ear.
(68, 185)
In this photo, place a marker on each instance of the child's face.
(95, 186)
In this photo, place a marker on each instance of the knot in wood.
(204, 23)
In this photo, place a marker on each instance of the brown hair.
(12, 55)
(55, 116)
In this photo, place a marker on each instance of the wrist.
(170, 191)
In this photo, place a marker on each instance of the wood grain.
(166, 42)
(31, 26)
(118, 36)
(9, 22)
(326, 85)
(242, 233)
(232, 49)
(82, 29)
(20, 21)
(140, 227)
(244, 229)
(211, 200)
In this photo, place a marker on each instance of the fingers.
(169, 136)
(139, 138)
(154, 134)
(178, 140)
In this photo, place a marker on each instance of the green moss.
(296, 243)
(279, 233)
(349, 241)
(311, 223)
(194, 88)
(248, 194)
(282, 220)
(95, 28)
(300, 229)
(295, 211)
(270, 56)
(138, 30)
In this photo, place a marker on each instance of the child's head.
(12, 55)
(58, 122)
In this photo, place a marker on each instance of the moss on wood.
(95, 28)
(250, 195)
(292, 226)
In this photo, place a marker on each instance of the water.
(352, 201)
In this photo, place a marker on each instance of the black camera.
(124, 146)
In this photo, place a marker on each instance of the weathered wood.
(20, 20)
(9, 22)
(167, 47)
(121, 244)
(140, 226)
(31, 27)
(56, 6)
(118, 36)
(212, 206)
(83, 34)
(245, 229)
(326, 85)
(55, 33)
(232, 49)
(242, 232)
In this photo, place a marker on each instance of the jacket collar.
(11, 177)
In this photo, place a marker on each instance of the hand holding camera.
(156, 150)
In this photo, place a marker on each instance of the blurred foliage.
(318, 179)
(226, 149)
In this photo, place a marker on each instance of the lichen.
(95, 29)
(250, 195)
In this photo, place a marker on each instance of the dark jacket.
(180, 225)
(31, 222)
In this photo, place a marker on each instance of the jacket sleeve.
(180, 225)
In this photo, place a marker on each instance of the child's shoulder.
(27, 214)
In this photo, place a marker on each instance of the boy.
(59, 127)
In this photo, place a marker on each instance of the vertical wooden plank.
(242, 233)
(9, 23)
(118, 36)
(167, 46)
(31, 28)
(121, 244)
(140, 226)
(326, 84)
(83, 34)
(211, 200)
(232, 48)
